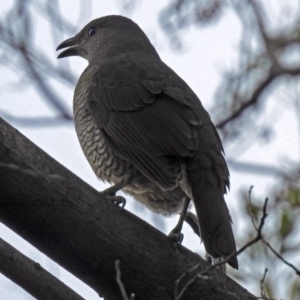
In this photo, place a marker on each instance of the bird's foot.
(111, 195)
(117, 200)
(176, 236)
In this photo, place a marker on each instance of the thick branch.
(82, 231)
(31, 276)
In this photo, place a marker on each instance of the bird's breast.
(105, 164)
(113, 169)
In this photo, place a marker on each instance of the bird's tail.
(212, 213)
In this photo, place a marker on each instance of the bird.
(143, 130)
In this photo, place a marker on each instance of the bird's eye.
(92, 30)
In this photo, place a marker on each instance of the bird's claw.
(176, 237)
(117, 200)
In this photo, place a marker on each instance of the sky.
(206, 53)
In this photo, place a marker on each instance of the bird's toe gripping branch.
(118, 200)
(111, 194)
(176, 237)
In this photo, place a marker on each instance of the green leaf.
(287, 224)
(295, 289)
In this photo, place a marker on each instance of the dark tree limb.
(31, 276)
(85, 233)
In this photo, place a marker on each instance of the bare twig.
(201, 274)
(37, 67)
(262, 289)
(192, 280)
(249, 206)
(264, 84)
(265, 242)
(120, 283)
(265, 59)
(46, 90)
(281, 258)
(253, 241)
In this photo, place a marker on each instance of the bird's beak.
(72, 51)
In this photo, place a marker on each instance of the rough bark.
(31, 276)
(85, 233)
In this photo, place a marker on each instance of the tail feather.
(212, 213)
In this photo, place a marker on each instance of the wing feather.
(150, 123)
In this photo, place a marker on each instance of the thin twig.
(265, 242)
(262, 288)
(51, 96)
(281, 258)
(201, 275)
(120, 283)
(249, 207)
(264, 84)
(270, 45)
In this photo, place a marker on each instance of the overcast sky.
(206, 53)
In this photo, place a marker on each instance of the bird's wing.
(148, 124)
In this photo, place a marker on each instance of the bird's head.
(106, 37)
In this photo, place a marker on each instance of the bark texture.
(74, 225)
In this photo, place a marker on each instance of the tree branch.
(265, 60)
(31, 276)
(252, 100)
(85, 233)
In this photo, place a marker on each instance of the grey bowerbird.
(143, 129)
